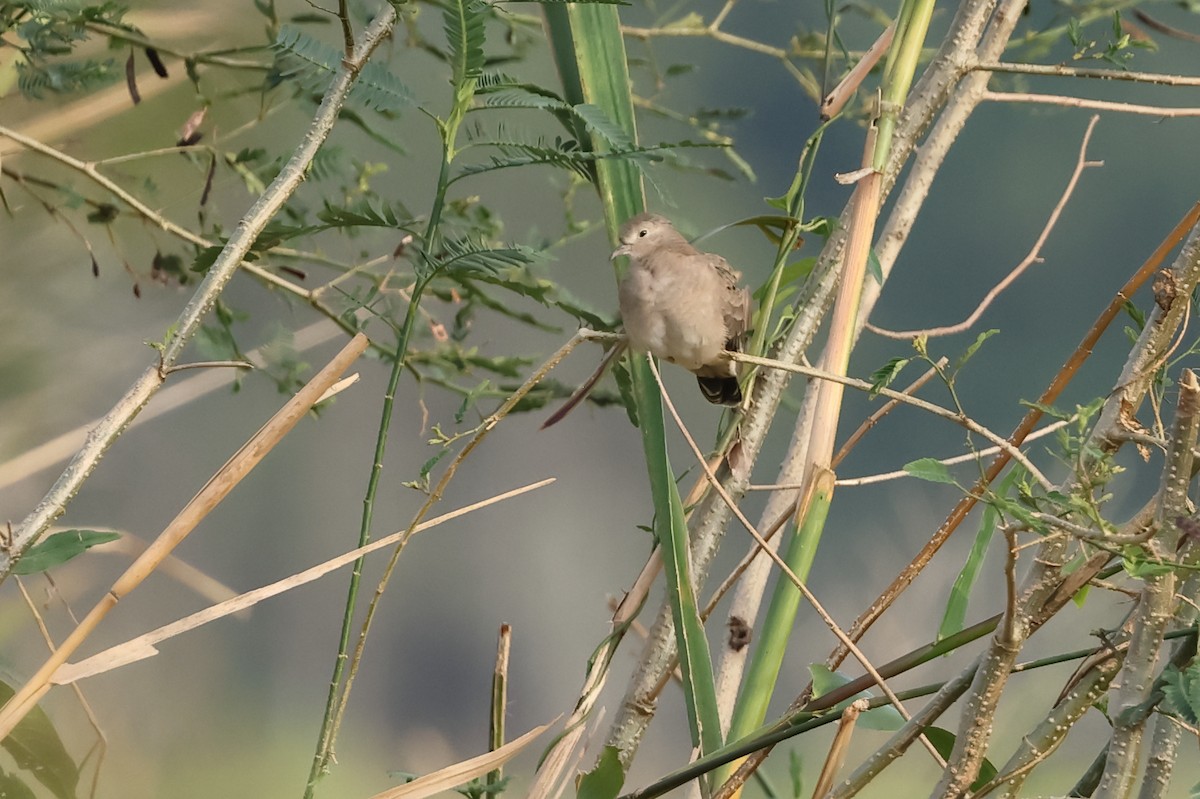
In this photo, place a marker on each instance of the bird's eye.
(642, 233)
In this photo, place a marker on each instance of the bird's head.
(643, 233)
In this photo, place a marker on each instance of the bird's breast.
(673, 314)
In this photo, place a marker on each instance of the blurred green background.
(234, 708)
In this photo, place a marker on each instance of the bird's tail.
(720, 390)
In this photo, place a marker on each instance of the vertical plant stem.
(499, 707)
(338, 696)
(592, 63)
(764, 667)
(1165, 740)
(1132, 688)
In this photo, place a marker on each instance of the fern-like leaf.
(307, 61)
(311, 65)
(380, 90)
(598, 122)
(383, 214)
(503, 91)
(466, 257)
(463, 23)
(520, 280)
(564, 155)
(64, 78)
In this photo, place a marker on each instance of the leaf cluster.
(309, 65)
(46, 34)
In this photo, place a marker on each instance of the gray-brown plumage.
(682, 305)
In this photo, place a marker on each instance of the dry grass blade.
(451, 776)
(211, 495)
(839, 748)
(143, 646)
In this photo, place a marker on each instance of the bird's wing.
(737, 302)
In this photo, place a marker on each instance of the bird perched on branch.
(678, 304)
(682, 305)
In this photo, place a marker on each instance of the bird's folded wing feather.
(737, 304)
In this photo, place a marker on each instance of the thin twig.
(1019, 435)
(226, 264)
(1063, 71)
(783, 567)
(966, 457)
(281, 183)
(1095, 105)
(1162, 27)
(1034, 256)
(937, 410)
(207, 498)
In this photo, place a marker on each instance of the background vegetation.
(171, 199)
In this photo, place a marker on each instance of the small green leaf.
(469, 400)
(605, 780)
(943, 742)
(794, 273)
(796, 772)
(57, 549)
(206, 257)
(1135, 313)
(885, 718)
(823, 679)
(625, 387)
(422, 483)
(874, 268)
(1137, 565)
(971, 350)
(35, 747)
(960, 594)
(884, 375)
(931, 470)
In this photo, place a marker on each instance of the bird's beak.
(624, 249)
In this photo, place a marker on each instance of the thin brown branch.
(1048, 397)
(1095, 105)
(783, 566)
(1165, 29)
(1034, 256)
(1063, 71)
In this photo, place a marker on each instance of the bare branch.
(1034, 256)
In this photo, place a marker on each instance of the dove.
(678, 304)
(682, 305)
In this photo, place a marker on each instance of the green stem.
(899, 71)
(336, 700)
(787, 241)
